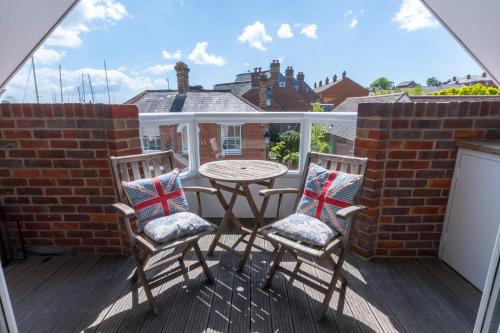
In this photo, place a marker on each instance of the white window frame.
(146, 139)
(230, 151)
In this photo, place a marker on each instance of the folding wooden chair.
(134, 167)
(323, 254)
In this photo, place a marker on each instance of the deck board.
(92, 294)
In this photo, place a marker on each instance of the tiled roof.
(473, 78)
(331, 84)
(345, 131)
(351, 103)
(404, 83)
(237, 88)
(154, 101)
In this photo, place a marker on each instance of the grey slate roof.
(242, 83)
(345, 131)
(155, 101)
(404, 83)
(473, 78)
(351, 104)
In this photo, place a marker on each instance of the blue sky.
(142, 40)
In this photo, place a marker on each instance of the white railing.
(305, 119)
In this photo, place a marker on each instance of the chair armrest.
(127, 211)
(200, 189)
(274, 191)
(347, 212)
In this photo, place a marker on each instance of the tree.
(287, 149)
(382, 83)
(432, 81)
(319, 133)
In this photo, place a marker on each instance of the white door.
(473, 216)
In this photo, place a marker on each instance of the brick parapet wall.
(54, 168)
(412, 149)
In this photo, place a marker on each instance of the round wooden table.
(242, 173)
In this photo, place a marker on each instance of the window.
(231, 139)
(183, 130)
(151, 142)
(282, 84)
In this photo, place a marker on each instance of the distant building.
(270, 90)
(217, 141)
(470, 80)
(336, 91)
(407, 85)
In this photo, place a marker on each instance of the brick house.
(271, 90)
(336, 91)
(217, 141)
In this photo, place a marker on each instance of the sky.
(142, 40)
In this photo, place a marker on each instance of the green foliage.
(317, 107)
(287, 149)
(319, 138)
(432, 81)
(477, 89)
(382, 83)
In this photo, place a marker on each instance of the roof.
(155, 101)
(331, 84)
(473, 78)
(455, 98)
(351, 103)
(242, 83)
(345, 131)
(405, 83)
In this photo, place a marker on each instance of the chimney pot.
(334, 77)
(344, 74)
(454, 79)
(468, 76)
(320, 83)
(484, 74)
(315, 85)
(327, 80)
(182, 71)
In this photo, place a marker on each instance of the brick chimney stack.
(344, 75)
(334, 79)
(300, 78)
(289, 76)
(254, 77)
(182, 77)
(275, 72)
(263, 91)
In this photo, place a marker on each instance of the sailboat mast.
(34, 77)
(107, 83)
(91, 90)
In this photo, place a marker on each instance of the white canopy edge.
(475, 24)
(24, 26)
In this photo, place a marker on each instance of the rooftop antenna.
(34, 77)
(83, 89)
(107, 83)
(79, 95)
(91, 90)
(60, 84)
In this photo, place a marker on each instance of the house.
(470, 80)
(217, 140)
(407, 85)
(351, 103)
(336, 91)
(270, 90)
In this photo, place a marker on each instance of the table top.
(242, 170)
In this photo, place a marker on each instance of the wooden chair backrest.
(347, 164)
(134, 167)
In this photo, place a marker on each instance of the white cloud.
(412, 15)
(200, 56)
(309, 30)
(46, 56)
(83, 19)
(174, 55)
(255, 35)
(354, 22)
(285, 31)
(158, 69)
(160, 82)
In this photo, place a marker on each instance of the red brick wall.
(54, 166)
(412, 149)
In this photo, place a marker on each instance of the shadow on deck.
(92, 294)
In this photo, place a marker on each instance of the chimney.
(275, 72)
(182, 77)
(334, 78)
(454, 79)
(484, 74)
(327, 80)
(254, 77)
(289, 76)
(263, 91)
(300, 78)
(344, 75)
(468, 76)
(320, 83)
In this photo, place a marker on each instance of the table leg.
(224, 224)
(259, 214)
(224, 204)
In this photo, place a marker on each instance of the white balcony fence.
(190, 155)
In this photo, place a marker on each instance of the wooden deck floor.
(92, 294)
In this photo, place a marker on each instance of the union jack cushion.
(326, 192)
(156, 197)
